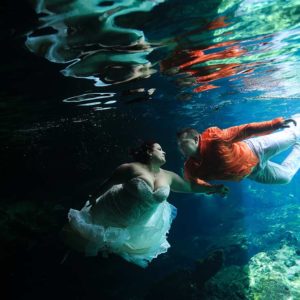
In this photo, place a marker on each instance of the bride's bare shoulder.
(131, 167)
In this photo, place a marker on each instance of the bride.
(132, 217)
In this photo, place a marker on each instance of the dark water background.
(164, 66)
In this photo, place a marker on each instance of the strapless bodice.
(144, 189)
(131, 202)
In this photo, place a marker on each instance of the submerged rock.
(275, 274)
(268, 276)
(231, 283)
(176, 286)
(186, 283)
(208, 267)
(289, 238)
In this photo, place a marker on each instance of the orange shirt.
(224, 155)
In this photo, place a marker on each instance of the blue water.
(82, 81)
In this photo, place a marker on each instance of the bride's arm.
(120, 175)
(179, 185)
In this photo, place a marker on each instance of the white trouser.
(265, 147)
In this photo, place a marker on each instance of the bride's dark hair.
(141, 152)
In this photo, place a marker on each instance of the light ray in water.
(104, 108)
(90, 104)
(88, 97)
(110, 102)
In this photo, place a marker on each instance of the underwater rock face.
(275, 275)
(185, 283)
(230, 283)
(268, 276)
(178, 285)
(208, 267)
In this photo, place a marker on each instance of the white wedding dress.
(130, 220)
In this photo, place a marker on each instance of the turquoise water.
(82, 81)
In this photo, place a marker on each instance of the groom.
(241, 151)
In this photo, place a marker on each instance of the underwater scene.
(150, 149)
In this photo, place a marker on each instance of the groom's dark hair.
(188, 132)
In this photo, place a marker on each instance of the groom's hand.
(285, 123)
(221, 189)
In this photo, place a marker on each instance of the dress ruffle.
(139, 242)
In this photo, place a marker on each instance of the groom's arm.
(179, 185)
(241, 132)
